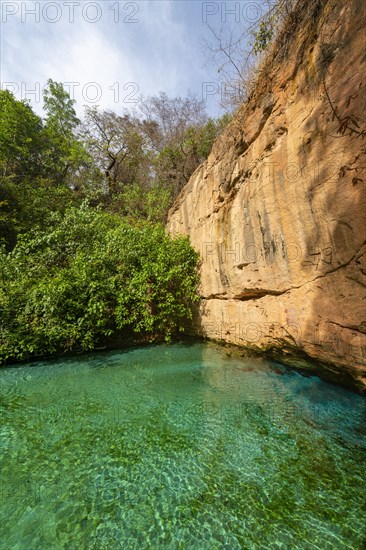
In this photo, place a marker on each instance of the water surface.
(179, 447)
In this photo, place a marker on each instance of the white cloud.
(157, 53)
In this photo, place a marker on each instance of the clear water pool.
(179, 446)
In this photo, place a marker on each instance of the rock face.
(277, 211)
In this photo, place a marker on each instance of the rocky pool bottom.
(179, 446)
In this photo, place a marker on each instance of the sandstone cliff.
(277, 211)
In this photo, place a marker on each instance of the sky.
(110, 53)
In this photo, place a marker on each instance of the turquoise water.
(179, 447)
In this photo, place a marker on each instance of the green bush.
(27, 206)
(137, 202)
(91, 280)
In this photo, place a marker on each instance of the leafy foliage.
(139, 202)
(26, 207)
(64, 152)
(90, 279)
(133, 164)
(93, 279)
(21, 138)
(179, 158)
(38, 158)
(84, 259)
(263, 36)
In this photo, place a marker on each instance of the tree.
(116, 146)
(236, 52)
(169, 118)
(166, 123)
(65, 154)
(59, 108)
(21, 149)
(20, 139)
(31, 156)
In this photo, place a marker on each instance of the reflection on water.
(179, 447)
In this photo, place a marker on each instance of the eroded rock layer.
(277, 211)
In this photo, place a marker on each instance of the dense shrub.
(92, 279)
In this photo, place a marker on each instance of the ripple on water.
(179, 447)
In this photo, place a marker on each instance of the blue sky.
(109, 53)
